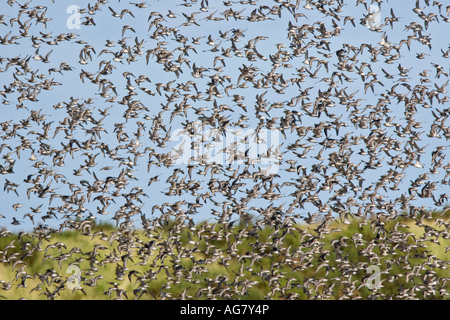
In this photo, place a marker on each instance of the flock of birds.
(362, 129)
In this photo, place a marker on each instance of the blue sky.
(275, 30)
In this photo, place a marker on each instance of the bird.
(122, 13)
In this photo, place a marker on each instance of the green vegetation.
(240, 262)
